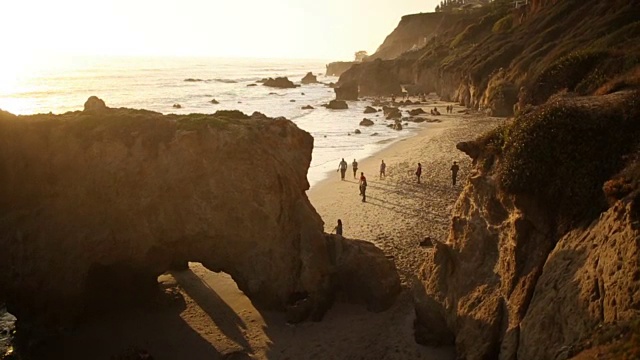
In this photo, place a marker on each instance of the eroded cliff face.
(96, 204)
(500, 59)
(412, 33)
(534, 273)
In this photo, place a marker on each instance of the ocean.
(61, 85)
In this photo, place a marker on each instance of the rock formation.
(366, 122)
(485, 59)
(337, 68)
(347, 91)
(337, 105)
(370, 110)
(279, 82)
(537, 260)
(96, 205)
(309, 79)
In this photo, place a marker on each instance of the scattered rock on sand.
(279, 82)
(416, 112)
(308, 107)
(370, 110)
(391, 112)
(337, 105)
(366, 122)
(309, 79)
(357, 132)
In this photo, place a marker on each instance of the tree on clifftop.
(361, 55)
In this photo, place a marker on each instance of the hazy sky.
(311, 29)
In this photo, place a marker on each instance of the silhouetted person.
(342, 167)
(338, 229)
(419, 172)
(354, 165)
(454, 172)
(383, 168)
(363, 187)
(393, 98)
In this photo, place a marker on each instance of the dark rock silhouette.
(370, 110)
(125, 197)
(279, 82)
(309, 79)
(366, 122)
(347, 91)
(337, 105)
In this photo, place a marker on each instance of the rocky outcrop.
(492, 61)
(94, 105)
(337, 105)
(529, 273)
(412, 33)
(366, 122)
(94, 206)
(279, 82)
(347, 91)
(376, 78)
(309, 79)
(338, 68)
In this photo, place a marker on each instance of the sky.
(300, 29)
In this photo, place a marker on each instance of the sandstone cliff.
(94, 205)
(412, 33)
(498, 56)
(539, 257)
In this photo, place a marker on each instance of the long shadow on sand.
(210, 302)
(393, 207)
(156, 328)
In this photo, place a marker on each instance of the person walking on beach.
(354, 165)
(383, 168)
(419, 172)
(454, 172)
(338, 229)
(363, 187)
(342, 167)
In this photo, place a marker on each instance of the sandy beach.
(203, 315)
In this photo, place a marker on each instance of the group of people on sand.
(449, 109)
(342, 168)
(362, 183)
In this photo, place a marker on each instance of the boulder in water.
(214, 101)
(417, 111)
(357, 131)
(279, 82)
(366, 122)
(309, 79)
(308, 107)
(337, 105)
(370, 110)
(177, 106)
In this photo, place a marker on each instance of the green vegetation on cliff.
(562, 153)
(498, 56)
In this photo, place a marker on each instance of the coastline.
(204, 315)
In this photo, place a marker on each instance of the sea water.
(59, 85)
